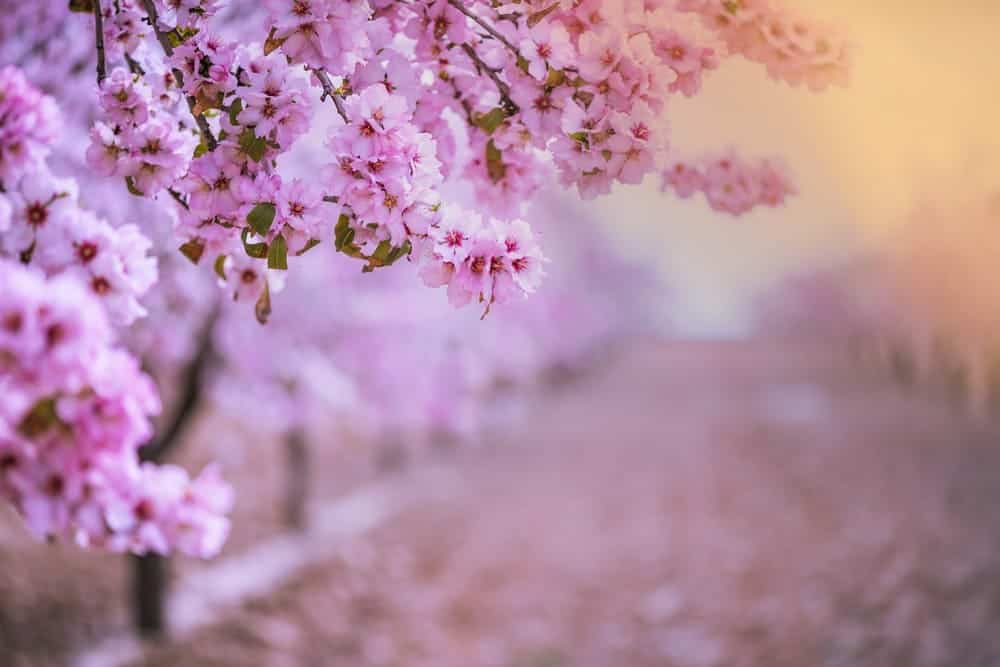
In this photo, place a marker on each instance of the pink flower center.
(100, 285)
(143, 510)
(86, 251)
(54, 335)
(55, 485)
(37, 214)
(9, 460)
(13, 322)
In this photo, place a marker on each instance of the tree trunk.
(149, 589)
(150, 572)
(296, 480)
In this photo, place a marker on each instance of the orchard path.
(688, 504)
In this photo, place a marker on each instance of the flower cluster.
(75, 411)
(28, 124)
(205, 63)
(483, 261)
(124, 28)
(138, 142)
(504, 95)
(326, 34)
(385, 171)
(792, 48)
(43, 224)
(731, 184)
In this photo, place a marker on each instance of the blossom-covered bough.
(206, 108)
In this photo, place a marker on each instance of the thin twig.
(102, 63)
(462, 101)
(161, 37)
(154, 21)
(501, 85)
(177, 197)
(457, 4)
(331, 92)
(133, 65)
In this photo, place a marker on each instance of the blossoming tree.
(204, 111)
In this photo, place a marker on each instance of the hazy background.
(923, 103)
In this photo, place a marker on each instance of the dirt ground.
(686, 504)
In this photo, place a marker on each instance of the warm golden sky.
(924, 103)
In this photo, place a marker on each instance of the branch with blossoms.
(575, 88)
(77, 406)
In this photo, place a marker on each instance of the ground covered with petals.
(686, 505)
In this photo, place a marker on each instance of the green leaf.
(234, 110)
(193, 250)
(261, 217)
(310, 244)
(381, 254)
(255, 250)
(556, 78)
(401, 251)
(130, 184)
(342, 233)
(253, 145)
(201, 148)
(220, 266)
(81, 6)
(178, 36)
(262, 309)
(40, 419)
(494, 162)
(270, 44)
(277, 254)
(490, 121)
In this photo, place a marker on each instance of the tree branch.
(331, 92)
(457, 4)
(102, 63)
(199, 119)
(177, 198)
(501, 85)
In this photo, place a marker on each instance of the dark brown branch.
(457, 4)
(149, 592)
(462, 101)
(331, 92)
(102, 62)
(161, 37)
(134, 66)
(154, 21)
(509, 105)
(297, 480)
(192, 387)
(177, 198)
